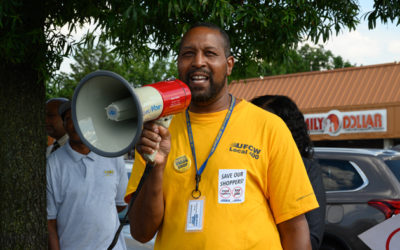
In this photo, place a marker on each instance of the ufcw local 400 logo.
(245, 149)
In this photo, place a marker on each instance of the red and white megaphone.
(108, 113)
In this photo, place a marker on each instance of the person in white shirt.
(85, 192)
(54, 124)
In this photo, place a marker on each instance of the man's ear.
(230, 62)
(64, 124)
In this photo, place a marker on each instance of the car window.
(394, 166)
(341, 175)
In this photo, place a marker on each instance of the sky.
(367, 47)
(360, 47)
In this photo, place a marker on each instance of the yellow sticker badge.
(182, 163)
(108, 172)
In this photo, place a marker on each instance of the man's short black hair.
(225, 37)
(58, 99)
(64, 108)
(61, 102)
(286, 108)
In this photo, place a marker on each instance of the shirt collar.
(63, 140)
(76, 156)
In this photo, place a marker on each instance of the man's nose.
(199, 60)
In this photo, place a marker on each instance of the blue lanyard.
(196, 192)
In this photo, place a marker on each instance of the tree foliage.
(258, 29)
(304, 59)
(385, 11)
(138, 70)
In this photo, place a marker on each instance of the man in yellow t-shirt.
(227, 174)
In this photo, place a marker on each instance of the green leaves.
(305, 59)
(385, 10)
(258, 29)
(138, 69)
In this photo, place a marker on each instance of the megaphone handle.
(165, 122)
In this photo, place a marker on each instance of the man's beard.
(204, 97)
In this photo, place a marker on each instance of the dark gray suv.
(362, 190)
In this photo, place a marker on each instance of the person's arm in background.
(316, 217)
(147, 211)
(122, 183)
(53, 235)
(120, 208)
(294, 234)
(53, 239)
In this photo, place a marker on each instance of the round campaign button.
(182, 164)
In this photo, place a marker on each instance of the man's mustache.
(193, 71)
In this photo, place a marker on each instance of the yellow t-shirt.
(254, 180)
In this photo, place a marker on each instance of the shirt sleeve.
(138, 168)
(50, 192)
(123, 182)
(289, 189)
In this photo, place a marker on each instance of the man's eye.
(210, 53)
(187, 53)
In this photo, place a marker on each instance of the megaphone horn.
(108, 113)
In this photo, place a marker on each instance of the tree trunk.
(23, 222)
(22, 159)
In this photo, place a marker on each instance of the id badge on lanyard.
(195, 215)
(196, 205)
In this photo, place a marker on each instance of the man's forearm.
(147, 211)
(53, 235)
(295, 234)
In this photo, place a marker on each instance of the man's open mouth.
(199, 78)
